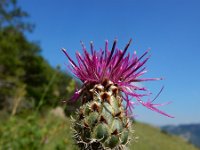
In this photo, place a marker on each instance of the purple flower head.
(125, 71)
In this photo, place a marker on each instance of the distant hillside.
(53, 133)
(190, 132)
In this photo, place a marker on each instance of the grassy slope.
(53, 133)
(151, 138)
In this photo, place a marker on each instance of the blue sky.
(170, 28)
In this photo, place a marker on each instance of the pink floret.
(114, 65)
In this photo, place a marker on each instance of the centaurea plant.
(110, 79)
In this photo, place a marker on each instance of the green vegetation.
(27, 81)
(50, 132)
(35, 133)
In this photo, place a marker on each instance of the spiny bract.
(109, 77)
(101, 122)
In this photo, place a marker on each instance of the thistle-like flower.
(109, 93)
